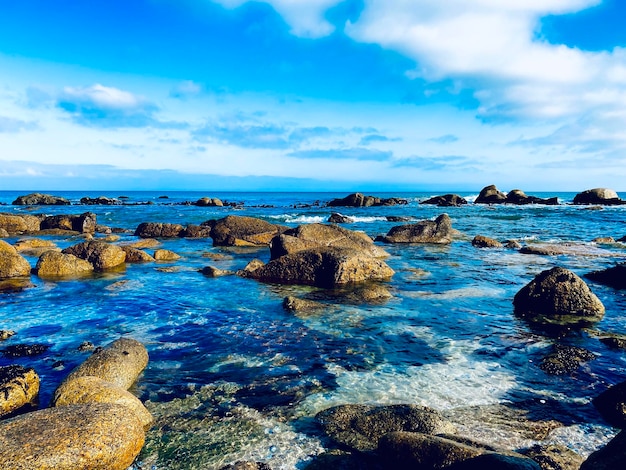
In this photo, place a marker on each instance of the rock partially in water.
(6, 334)
(598, 196)
(570, 249)
(438, 231)
(558, 297)
(209, 202)
(360, 427)
(15, 284)
(100, 254)
(100, 201)
(158, 230)
(197, 231)
(53, 264)
(12, 264)
(211, 271)
(243, 231)
(143, 243)
(83, 223)
(24, 350)
(360, 200)
(93, 436)
(247, 465)
(19, 386)
(610, 457)
(518, 197)
(481, 241)
(614, 277)
(447, 200)
(612, 405)
(135, 255)
(490, 195)
(16, 224)
(39, 199)
(554, 457)
(564, 359)
(337, 218)
(297, 305)
(165, 255)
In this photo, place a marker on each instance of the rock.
(247, 465)
(100, 201)
(86, 346)
(14, 224)
(397, 218)
(518, 197)
(360, 427)
(3, 233)
(612, 405)
(144, 243)
(323, 267)
(11, 263)
(210, 271)
(209, 202)
(610, 457)
(497, 461)
(120, 363)
(598, 196)
(570, 249)
(54, 264)
(565, 359)
(480, 241)
(296, 305)
(134, 255)
(100, 254)
(438, 231)
(512, 244)
(197, 231)
(89, 389)
(337, 218)
(311, 236)
(6, 334)
(490, 195)
(34, 246)
(158, 230)
(243, 231)
(165, 255)
(614, 277)
(18, 387)
(554, 457)
(558, 296)
(447, 200)
(94, 436)
(83, 223)
(15, 284)
(39, 199)
(251, 267)
(359, 200)
(24, 350)
(604, 240)
(614, 342)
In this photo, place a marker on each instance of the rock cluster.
(447, 200)
(360, 200)
(40, 200)
(491, 195)
(599, 196)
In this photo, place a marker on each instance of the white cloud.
(102, 96)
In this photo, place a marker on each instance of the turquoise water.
(234, 376)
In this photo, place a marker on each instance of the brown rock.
(360, 200)
(18, 387)
(209, 202)
(210, 271)
(554, 457)
(296, 305)
(438, 231)
(144, 243)
(243, 231)
(197, 231)
(165, 255)
(6, 334)
(39, 199)
(11, 263)
(572, 249)
(54, 264)
(447, 200)
(3, 233)
(83, 223)
(490, 195)
(34, 246)
(134, 255)
(119, 363)
(337, 218)
(100, 254)
(89, 389)
(14, 224)
(94, 436)
(480, 241)
(158, 230)
(597, 196)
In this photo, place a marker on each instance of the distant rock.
(610, 457)
(38, 199)
(12, 264)
(100, 201)
(447, 200)
(518, 197)
(359, 200)
(614, 277)
(598, 196)
(612, 405)
(197, 231)
(337, 218)
(53, 264)
(243, 231)
(100, 254)
(83, 223)
(604, 240)
(438, 231)
(19, 386)
(490, 195)
(211, 271)
(481, 241)
(159, 230)
(558, 297)
(209, 202)
(398, 218)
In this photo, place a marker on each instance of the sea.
(233, 376)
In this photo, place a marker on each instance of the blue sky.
(317, 94)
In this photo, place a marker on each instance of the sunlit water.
(233, 376)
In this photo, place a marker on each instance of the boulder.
(558, 297)
(610, 457)
(210, 271)
(569, 249)
(554, 457)
(297, 305)
(6, 334)
(12, 264)
(14, 224)
(158, 230)
(134, 255)
(34, 246)
(565, 359)
(94, 436)
(144, 243)
(604, 240)
(252, 266)
(89, 389)
(39, 199)
(490, 195)
(518, 197)
(54, 264)
(612, 405)
(209, 202)
(614, 341)
(598, 196)
(243, 231)
(438, 231)
(165, 255)
(100, 201)
(323, 267)
(481, 241)
(197, 231)
(310, 236)
(359, 200)
(83, 223)
(614, 277)
(18, 387)
(447, 200)
(100, 254)
(360, 427)
(120, 363)
(337, 218)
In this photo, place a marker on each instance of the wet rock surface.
(554, 457)
(614, 277)
(564, 359)
(40, 199)
(447, 200)
(158, 230)
(612, 405)
(438, 231)
(360, 200)
(54, 264)
(19, 386)
(610, 457)
(100, 254)
(480, 241)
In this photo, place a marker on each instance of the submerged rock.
(614, 277)
(438, 231)
(19, 386)
(95, 436)
(612, 405)
(558, 296)
(39, 199)
(243, 231)
(247, 465)
(565, 359)
(359, 200)
(360, 427)
(54, 264)
(24, 350)
(297, 305)
(100, 254)
(598, 196)
(447, 200)
(570, 249)
(481, 241)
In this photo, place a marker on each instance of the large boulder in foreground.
(236, 230)
(614, 277)
(598, 196)
(159, 230)
(612, 405)
(95, 436)
(490, 195)
(438, 231)
(558, 297)
(38, 199)
(323, 267)
(100, 254)
(19, 386)
(610, 457)
(305, 237)
(12, 264)
(447, 200)
(120, 363)
(53, 264)
(360, 200)
(360, 427)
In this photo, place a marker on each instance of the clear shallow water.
(233, 376)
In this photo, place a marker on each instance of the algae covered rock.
(19, 386)
(100, 254)
(54, 264)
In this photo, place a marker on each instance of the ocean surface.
(232, 376)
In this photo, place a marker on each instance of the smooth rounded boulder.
(598, 196)
(12, 264)
(19, 386)
(558, 297)
(490, 195)
(236, 230)
(54, 264)
(100, 254)
(438, 231)
(94, 436)
(165, 255)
